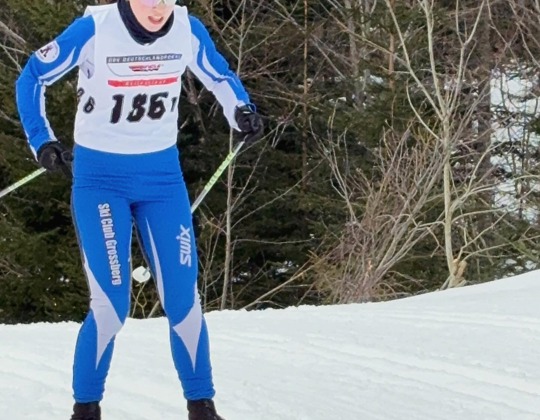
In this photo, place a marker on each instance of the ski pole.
(216, 176)
(141, 273)
(22, 181)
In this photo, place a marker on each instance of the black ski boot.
(202, 410)
(86, 411)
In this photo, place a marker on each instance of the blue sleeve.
(44, 67)
(213, 71)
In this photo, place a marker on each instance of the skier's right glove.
(54, 157)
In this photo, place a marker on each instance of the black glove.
(249, 122)
(54, 156)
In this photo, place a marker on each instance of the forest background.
(401, 155)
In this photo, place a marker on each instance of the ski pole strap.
(216, 176)
(22, 181)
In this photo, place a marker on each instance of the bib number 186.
(153, 107)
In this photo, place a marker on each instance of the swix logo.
(144, 68)
(185, 245)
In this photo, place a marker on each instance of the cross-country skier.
(131, 55)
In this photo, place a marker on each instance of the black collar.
(135, 29)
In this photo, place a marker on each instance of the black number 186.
(154, 111)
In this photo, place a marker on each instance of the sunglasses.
(155, 3)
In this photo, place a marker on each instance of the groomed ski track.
(466, 354)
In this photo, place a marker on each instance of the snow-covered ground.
(465, 354)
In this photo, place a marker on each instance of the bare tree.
(386, 213)
(456, 88)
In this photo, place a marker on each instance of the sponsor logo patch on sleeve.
(49, 52)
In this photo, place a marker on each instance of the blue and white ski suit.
(126, 170)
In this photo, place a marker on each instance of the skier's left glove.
(249, 122)
(54, 156)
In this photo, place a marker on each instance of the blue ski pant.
(112, 192)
